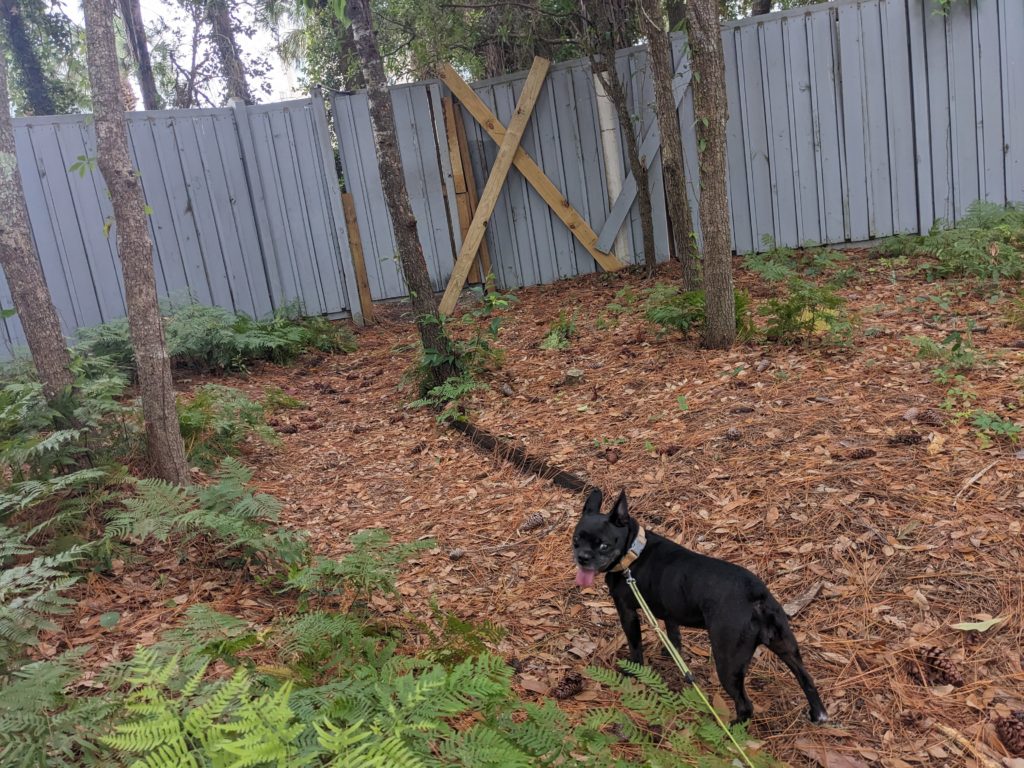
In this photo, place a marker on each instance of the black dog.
(687, 589)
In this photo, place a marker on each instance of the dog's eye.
(603, 547)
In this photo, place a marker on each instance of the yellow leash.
(678, 659)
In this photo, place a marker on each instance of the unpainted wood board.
(488, 198)
(359, 265)
(554, 198)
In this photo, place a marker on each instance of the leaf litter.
(880, 558)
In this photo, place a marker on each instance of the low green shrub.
(212, 339)
(673, 309)
(806, 311)
(561, 332)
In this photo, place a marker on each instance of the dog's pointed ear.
(593, 503)
(620, 512)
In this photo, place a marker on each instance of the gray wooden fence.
(245, 212)
(850, 120)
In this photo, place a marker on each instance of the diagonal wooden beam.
(489, 197)
(530, 170)
(649, 149)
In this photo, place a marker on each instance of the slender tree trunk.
(609, 24)
(33, 79)
(354, 78)
(711, 111)
(163, 433)
(138, 45)
(760, 7)
(613, 87)
(673, 168)
(219, 14)
(22, 268)
(410, 252)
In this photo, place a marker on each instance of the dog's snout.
(582, 558)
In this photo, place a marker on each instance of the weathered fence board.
(241, 212)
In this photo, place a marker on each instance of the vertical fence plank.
(900, 117)
(1012, 50)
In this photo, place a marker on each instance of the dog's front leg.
(630, 620)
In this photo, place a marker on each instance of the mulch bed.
(832, 473)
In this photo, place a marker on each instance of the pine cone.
(931, 417)
(860, 453)
(906, 438)
(940, 669)
(1011, 732)
(457, 554)
(532, 523)
(571, 684)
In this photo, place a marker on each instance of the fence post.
(255, 187)
(341, 233)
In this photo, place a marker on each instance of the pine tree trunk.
(410, 252)
(163, 433)
(21, 266)
(32, 78)
(673, 169)
(138, 45)
(232, 67)
(711, 112)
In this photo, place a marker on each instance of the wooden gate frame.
(510, 153)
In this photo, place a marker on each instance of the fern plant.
(804, 312)
(43, 726)
(31, 592)
(242, 522)
(370, 568)
(217, 420)
(673, 309)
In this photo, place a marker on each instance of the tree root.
(520, 458)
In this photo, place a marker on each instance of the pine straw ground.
(799, 463)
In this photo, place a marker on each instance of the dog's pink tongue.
(585, 578)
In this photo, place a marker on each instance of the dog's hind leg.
(732, 648)
(784, 646)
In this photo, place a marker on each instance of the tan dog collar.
(634, 551)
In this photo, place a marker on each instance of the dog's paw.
(819, 718)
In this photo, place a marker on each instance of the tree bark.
(760, 7)
(410, 251)
(673, 169)
(138, 45)
(21, 266)
(163, 433)
(613, 86)
(33, 79)
(711, 110)
(233, 68)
